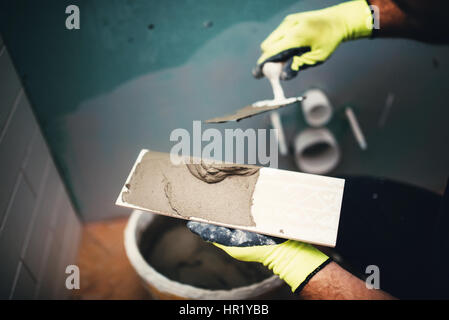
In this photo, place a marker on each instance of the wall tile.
(50, 199)
(39, 230)
(71, 234)
(12, 235)
(25, 285)
(13, 148)
(43, 277)
(9, 88)
(36, 160)
(8, 269)
(51, 279)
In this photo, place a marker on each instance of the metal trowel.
(272, 71)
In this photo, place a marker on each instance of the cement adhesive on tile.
(210, 172)
(158, 185)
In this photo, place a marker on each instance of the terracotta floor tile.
(104, 268)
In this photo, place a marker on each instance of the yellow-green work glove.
(294, 262)
(309, 38)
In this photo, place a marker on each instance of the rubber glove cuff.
(355, 18)
(294, 262)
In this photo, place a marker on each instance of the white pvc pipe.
(355, 127)
(316, 108)
(279, 132)
(316, 151)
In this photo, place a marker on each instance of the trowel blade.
(255, 109)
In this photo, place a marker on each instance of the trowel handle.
(272, 71)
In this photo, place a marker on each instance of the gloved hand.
(294, 262)
(309, 38)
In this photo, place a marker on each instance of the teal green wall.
(116, 86)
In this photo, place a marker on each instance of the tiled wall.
(39, 230)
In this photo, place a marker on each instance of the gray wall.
(115, 86)
(39, 230)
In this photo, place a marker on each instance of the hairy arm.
(423, 20)
(335, 283)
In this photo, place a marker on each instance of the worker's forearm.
(334, 282)
(415, 19)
